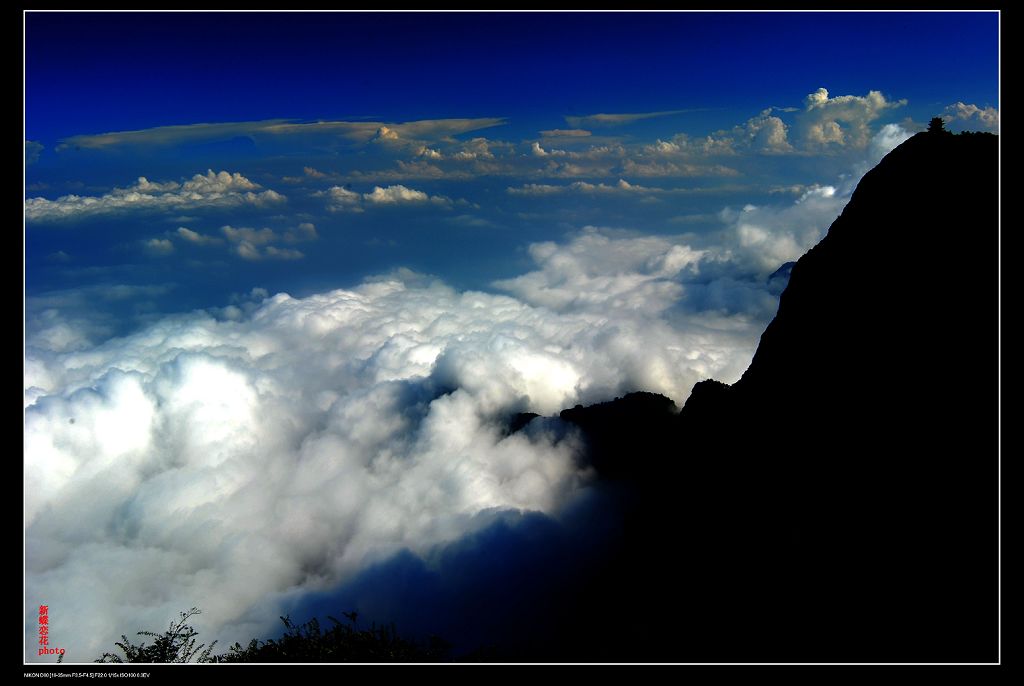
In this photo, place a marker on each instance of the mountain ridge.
(845, 487)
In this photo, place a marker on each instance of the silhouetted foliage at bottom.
(177, 644)
(342, 642)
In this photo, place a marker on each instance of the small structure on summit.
(937, 126)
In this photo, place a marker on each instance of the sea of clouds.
(235, 457)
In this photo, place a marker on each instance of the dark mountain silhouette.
(779, 279)
(839, 502)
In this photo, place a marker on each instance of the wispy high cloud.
(201, 191)
(674, 169)
(622, 186)
(252, 236)
(254, 244)
(169, 135)
(32, 151)
(604, 120)
(352, 131)
(565, 133)
(306, 231)
(431, 129)
(158, 246)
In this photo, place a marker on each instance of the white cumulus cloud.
(766, 133)
(195, 237)
(231, 463)
(341, 199)
(985, 117)
(762, 238)
(394, 194)
(537, 151)
(887, 138)
(843, 120)
(596, 272)
(474, 149)
(210, 190)
(399, 194)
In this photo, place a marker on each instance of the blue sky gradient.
(700, 73)
(97, 72)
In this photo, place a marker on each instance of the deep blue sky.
(98, 72)
(730, 76)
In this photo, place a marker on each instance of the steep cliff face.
(839, 502)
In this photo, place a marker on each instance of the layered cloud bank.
(231, 461)
(221, 189)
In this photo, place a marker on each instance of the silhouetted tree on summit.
(937, 126)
